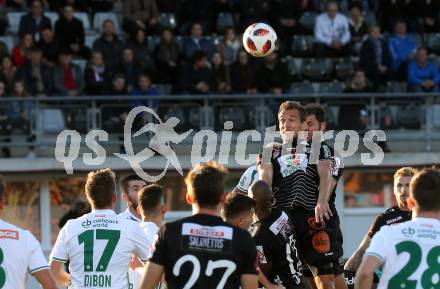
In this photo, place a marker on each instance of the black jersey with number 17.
(275, 240)
(202, 252)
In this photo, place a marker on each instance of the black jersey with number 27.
(202, 252)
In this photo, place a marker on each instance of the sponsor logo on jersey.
(391, 221)
(408, 232)
(260, 255)
(281, 226)
(206, 238)
(9, 234)
(321, 242)
(98, 223)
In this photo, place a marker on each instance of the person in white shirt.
(151, 206)
(20, 254)
(98, 245)
(408, 252)
(332, 32)
(130, 187)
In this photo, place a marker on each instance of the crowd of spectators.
(195, 47)
(198, 55)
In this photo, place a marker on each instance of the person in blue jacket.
(402, 47)
(423, 74)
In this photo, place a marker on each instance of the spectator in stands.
(272, 76)
(78, 5)
(191, 11)
(34, 22)
(402, 48)
(288, 13)
(69, 33)
(251, 11)
(354, 116)
(144, 89)
(374, 57)
(49, 47)
(68, 77)
(195, 77)
(220, 82)
(96, 76)
(196, 42)
(101, 5)
(129, 68)
(37, 76)
(166, 56)
(16, 4)
(19, 51)
(358, 27)
(20, 113)
(119, 85)
(229, 46)
(141, 14)
(391, 11)
(7, 71)
(242, 74)
(110, 45)
(142, 53)
(4, 50)
(332, 33)
(429, 12)
(423, 75)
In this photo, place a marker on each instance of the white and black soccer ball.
(259, 39)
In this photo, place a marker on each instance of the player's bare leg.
(325, 281)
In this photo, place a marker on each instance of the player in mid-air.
(316, 121)
(98, 245)
(409, 252)
(394, 215)
(275, 240)
(203, 251)
(20, 254)
(130, 187)
(303, 181)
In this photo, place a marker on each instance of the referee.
(303, 188)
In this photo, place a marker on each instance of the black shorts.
(320, 245)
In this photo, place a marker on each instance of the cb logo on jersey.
(86, 224)
(408, 232)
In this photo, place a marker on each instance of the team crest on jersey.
(9, 234)
(321, 242)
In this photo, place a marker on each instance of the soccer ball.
(259, 39)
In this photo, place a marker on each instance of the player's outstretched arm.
(364, 275)
(355, 260)
(61, 277)
(249, 281)
(326, 185)
(265, 173)
(45, 279)
(152, 276)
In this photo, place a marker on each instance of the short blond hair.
(101, 187)
(293, 105)
(405, 172)
(205, 183)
